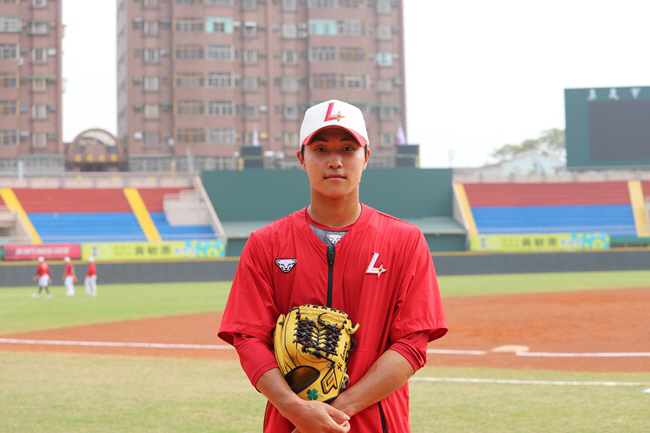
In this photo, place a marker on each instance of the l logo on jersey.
(286, 265)
(371, 267)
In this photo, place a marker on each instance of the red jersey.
(69, 270)
(381, 274)
(42, 269)
(92, 269)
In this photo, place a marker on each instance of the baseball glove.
(312, 345)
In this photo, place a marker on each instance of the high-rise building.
(201, 78)
(31, 85)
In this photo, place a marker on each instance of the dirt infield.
(604, 330)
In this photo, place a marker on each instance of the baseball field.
(565, 352)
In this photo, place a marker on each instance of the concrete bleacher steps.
(578, 207)
(100, 215)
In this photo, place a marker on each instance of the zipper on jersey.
(384, 428)
(331, 253)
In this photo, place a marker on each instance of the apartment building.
(197, 79)
(31, 85)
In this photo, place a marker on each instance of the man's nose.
(335, 160)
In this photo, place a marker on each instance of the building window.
(151, 83)
(8, 108)
(39, 111)
(220, 52)
(189, 52)
(251, 111)
(249, 29)
(219, 2)
(321, 3)
(384, 32)
(351, 28)
(386, 112)
(249, 4)
(39, 3)
(150, 28)
(8, 79)
(250, 84)
(8, 51)
(151, 139)
(383, 6)
(218, 25)
(290, 111)
(11, 24)
(149, 4)
(352, 54)
(39, 84)
(322, 54)
(150, 55)
(322, 27)
(352, 3)
(39, 139)
(323, 81)
(385, 85)
(190, 108)
(288, 5)
(39, 28)
(8, 136)
(39, 55)
(249, 56)
(289, 56)
(189, 80)
(289, 30)
(190, 135)
(189, 2)
(290, 84)
(290, 139)
(384, 59)
(353, 81)
(151, 111)
(189, 25)
(221, 80)
(221, 136)
(221, 108)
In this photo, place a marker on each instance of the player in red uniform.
(69, 278)
(340, 253)
(91, 278)
(42, 274)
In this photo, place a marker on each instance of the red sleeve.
(419, 305)
(413, 347)
(255, 356)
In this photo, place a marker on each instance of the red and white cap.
(333, 113)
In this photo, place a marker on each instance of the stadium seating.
(578, 207)
(101, 214)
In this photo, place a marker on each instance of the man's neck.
(335, 213)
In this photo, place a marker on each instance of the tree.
(552, 142)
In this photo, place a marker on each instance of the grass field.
(53, 393)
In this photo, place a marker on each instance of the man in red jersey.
(69, 278)
(42, 274)
(91, 278)
(343, 254)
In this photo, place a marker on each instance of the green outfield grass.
(19, 312)
(56, 393)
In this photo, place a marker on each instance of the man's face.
(334, 162)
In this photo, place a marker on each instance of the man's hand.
(318, 417)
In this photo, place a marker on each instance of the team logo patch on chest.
(286, 265)
(334, 239)
(372, 269)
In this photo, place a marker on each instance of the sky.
(479, 74)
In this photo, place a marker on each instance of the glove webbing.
(314, 339)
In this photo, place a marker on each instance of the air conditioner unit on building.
(51, 51)
(137, 79)
(264, 108)
(137, 135)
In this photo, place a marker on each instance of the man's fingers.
(337, 415)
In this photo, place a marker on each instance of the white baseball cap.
(333, 113)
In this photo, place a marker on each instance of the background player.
(69, 278)
(43, 276)
(91, 278)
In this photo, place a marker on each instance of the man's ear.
(365, 163)
(301, 160)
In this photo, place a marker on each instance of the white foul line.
(228, 347)
(117, 344)
(524, 382)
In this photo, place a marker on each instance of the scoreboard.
(607, 127)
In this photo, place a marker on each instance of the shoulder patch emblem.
(285, 265)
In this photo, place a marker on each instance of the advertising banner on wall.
(540, 242)
(49, 251)
(125, 251)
